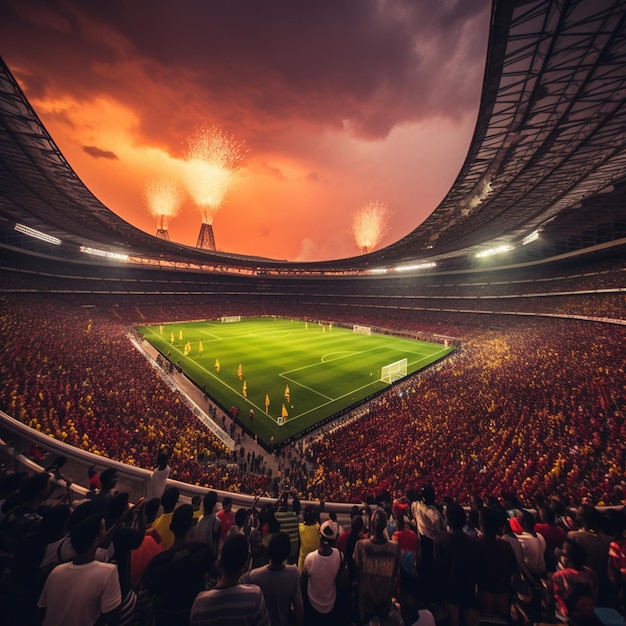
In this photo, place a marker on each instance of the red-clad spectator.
(226, 517)
(554, 535)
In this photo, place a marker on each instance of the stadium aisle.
(194, 394)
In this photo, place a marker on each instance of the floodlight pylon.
(206, 238)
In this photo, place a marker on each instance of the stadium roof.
(548, 154)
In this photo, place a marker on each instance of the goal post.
(361, 330)
(394, 371)
(227, 319)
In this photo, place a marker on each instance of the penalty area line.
(331, 400)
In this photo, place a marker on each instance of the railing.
(17, 439)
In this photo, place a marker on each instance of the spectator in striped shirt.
(287, 516)
(231, 602)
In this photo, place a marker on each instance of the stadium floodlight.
(377, 270)
(108, 255)
(37, 234)
(415, 266)
(530, 238)
(497, 250)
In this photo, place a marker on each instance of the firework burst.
(369, 225)
(210, 162)
(164, 198)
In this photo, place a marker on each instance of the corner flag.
(284, 414)
(244, 391)
(217, 365)
(267, 402)
(287, 393)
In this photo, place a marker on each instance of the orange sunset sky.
(339, 103)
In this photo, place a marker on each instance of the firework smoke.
(211, 159)
(369, 225)
(164, 198)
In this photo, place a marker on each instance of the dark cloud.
(363, 66)
(314, 88)
(97, 153)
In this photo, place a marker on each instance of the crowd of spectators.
(416, 559)
(528, 410)
(533, 408)
(530, 406)
(72, 373)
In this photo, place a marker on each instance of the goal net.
(362, 330)
(226, 319)
(394, 371)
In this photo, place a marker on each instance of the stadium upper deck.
(548, 154)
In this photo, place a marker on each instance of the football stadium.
(243, 364)
(463, 384)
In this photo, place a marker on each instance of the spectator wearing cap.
(377, 563)
(169, 500)
(280, 584)
(318, 574)
(83, 591)
(177, 575)
(231, 601)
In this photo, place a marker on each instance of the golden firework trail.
(164, 198)
(210, 162)
(369, 225)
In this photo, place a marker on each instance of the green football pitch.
(293, 374)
